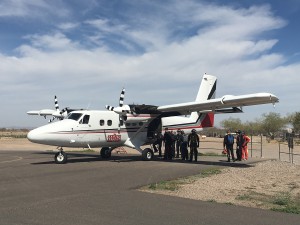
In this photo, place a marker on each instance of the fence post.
(251, 143)
(279, 150)
(293, 155)
(260, 146)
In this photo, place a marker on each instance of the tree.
(296, 122)
(232, 124)
(272, 123)
(253, 127)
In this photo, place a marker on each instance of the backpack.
(230, 139)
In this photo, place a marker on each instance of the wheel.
(147, 154)
(105, 152)
(60, 157)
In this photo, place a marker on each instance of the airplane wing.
(43, 112)
(224, 102)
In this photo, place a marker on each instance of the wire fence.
(258, 147)
(289, 154)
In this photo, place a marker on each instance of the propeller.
(122, 109)
(58, 113)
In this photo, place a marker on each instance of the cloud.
(157, 51)
(32, 9)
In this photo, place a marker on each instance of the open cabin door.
(153, 127)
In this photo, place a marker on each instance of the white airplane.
(134, 125)
(56, 114)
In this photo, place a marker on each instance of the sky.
(85, 52)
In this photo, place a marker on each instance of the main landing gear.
(60, 157)
(147, 154)
(105, 152)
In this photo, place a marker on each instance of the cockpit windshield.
(74, 116)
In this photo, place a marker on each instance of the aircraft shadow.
(78, 157)
(75, 157)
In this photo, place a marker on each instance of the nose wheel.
(60, 157)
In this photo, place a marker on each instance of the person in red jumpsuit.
(246, 140)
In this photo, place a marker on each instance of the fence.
(258, 147)
(289, 154)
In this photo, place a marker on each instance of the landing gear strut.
(61, 157)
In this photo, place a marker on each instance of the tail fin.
(207, 90)
(197, 120)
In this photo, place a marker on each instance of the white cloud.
(179, 43)
(53, 42)
(68, 26)
(31, 8)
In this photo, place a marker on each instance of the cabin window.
(134, 124)
(74, 116)
(109, 122)
(102, 122)
(140, 124)
(128, 124)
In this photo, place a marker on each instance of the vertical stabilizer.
(207, 90)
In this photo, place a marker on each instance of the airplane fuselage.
(91, 129)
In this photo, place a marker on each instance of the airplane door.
(154, 126)
(83, 129)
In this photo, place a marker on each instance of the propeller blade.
(121, 102)
(56, 103)
(110, 108)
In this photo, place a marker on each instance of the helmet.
(193, 131)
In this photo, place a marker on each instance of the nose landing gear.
(60, 157)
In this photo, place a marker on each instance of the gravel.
(267, 179)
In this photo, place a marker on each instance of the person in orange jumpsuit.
(246, 140)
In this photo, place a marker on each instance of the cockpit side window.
(74, 116)
(86, 119)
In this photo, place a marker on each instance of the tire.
(61, 157)
(105, 152)
(147, 154)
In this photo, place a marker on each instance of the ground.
(268, 184)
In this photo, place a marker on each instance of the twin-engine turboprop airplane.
(135, 125)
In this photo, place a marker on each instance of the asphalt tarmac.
(87, 190)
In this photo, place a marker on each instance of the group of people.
(241, 146)
(179, 143)
(176, 144)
